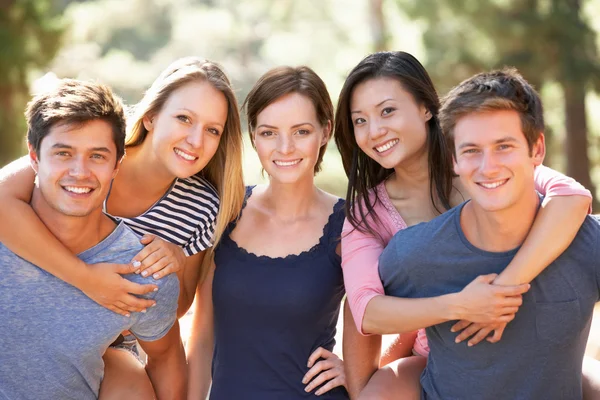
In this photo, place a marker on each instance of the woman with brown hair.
(276, 286)
(179, 185)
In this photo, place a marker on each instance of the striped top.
(185, 215)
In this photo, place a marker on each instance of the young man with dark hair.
(495, 123)
(53, 335)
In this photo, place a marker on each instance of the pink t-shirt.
(360, 251)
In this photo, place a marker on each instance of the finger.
(489, 278)
(124, 269)
(479, 336)
(509, 310)
(118, 310)
(316, 369)
(136, 304)
(505, 319)
(152, 259)
(468, 332)
(143, 255)
(512, 290)
(155, 267)
(147, 239)
(121, 306)
(497, 334)
(460, 325)
(318, 353)
(138, 288)
(168, 269)
(330, 385)
(320, 379)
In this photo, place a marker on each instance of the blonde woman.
(179, 185)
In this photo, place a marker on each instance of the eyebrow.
(293, 126)
(66, 146)
(196, 115)
(376, 105)
(501, 140)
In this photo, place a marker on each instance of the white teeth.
(287, 163)
(492, 185)
(387, 146)
(184, 155)
(78, 190)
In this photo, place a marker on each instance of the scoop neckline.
(384, 197)
(311, 252)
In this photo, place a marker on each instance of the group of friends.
(453, 236)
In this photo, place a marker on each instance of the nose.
(285, 144)
(489, 164)
(376, 130)
(195, 136)
(79, 168)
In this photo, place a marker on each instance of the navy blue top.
(270, 314)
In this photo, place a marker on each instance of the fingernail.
(144, 310)
(145, 273)
(306, 389)
(127, 315)
(456, 340)
(469, 344)
(156, 276)
(153, 305)
(304, 381)
(136, 264)
(155, 289)
(452, 330)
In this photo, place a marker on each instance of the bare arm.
(361, 355)
(201, 342)
(189, 279)
(26, 235)
(166, 365)
(401, 347)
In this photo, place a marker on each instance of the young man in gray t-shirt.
(494, 123)
(53, 336)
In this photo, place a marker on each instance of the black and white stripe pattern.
(185, 215)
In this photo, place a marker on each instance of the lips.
(286, 163)
(387, 145)
(185, 154)
(492, 184)
(78, 189)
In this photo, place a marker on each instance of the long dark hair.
(363, 172)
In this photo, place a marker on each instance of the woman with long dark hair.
(400, 174)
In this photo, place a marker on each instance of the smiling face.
(75, 166)
(288, 137)
(493, 159)
(389, 126)
(187, 130)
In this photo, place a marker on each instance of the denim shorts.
(128, 343)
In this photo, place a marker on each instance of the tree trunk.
(576, 143)
(377, 22)
(11, 138)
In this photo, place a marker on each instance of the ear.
(425, 113)
(326, 134)
(148, 122)
(454, 164)
(33, 158)
(117, 167)
(538, 151)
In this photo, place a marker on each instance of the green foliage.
(30, 35)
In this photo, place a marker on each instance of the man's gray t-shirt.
(541, 352)
(53, 336)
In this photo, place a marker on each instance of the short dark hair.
(497, 90)
(73, 101)
(280, 81)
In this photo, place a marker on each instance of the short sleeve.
(206, 208)
(202, 239)
(158, 320)
(360, 254)
(551, 183)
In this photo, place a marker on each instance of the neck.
(289, 201)
(142, 170)
(76, 233)
(412, 175)
(499, 231)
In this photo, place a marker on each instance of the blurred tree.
(29, 37)
(547, 40)
(378, 25)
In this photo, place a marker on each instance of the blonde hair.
(224, 170)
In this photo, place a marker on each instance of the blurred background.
(126, 43)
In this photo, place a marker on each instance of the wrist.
(82, 275)
(451, 307)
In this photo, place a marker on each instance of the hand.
(480, 332)
(330, 369)
(482, 302)
(105, 285)
(158, 258)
